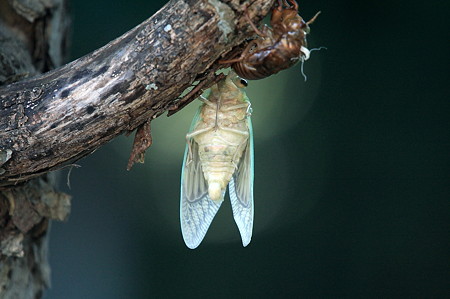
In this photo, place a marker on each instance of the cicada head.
(232, 87)
(236, 82)
(305, 30)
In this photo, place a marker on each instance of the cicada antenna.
(313, 18)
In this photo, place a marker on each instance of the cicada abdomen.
(219, 153)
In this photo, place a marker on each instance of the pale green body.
(219, 152)
(221, 134)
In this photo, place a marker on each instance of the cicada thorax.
(224, 134)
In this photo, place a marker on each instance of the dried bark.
(54, 117)
(32, 40)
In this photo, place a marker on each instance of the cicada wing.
(241, 191)
(197, 210)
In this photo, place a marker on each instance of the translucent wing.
(241, 191)
(197, 210)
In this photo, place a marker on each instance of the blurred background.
(352, 173)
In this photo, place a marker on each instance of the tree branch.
(33, 39)
(54, 119)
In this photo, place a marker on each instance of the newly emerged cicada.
(277, 47)
(219, 152)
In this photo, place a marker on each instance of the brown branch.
(33, 38)
(58, 117)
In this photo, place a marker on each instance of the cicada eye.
(243, 82)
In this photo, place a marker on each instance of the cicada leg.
(191, 135)
(251, 44)
(240, 132)
(285, 4)
(293, 3)
(277, 12)
(234, 107)
(208, 102)
(239, 106)
(259, 32)
(191, 95)
(196, 132)
(243, 54)
(275, 18)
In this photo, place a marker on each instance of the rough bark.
(54, 117)
(32, 41)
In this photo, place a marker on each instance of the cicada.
(277, 47)
(219, 153)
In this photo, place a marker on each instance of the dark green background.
(352, 173)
